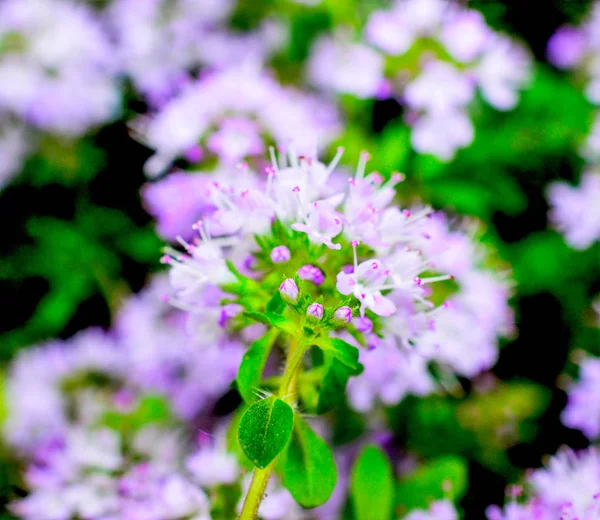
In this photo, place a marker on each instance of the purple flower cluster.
(578, 48)
(57, 68)
(575, 211)
(389, 261)
(456, 54)
(230, 114)
(569, 489)
(61, 396)
(161, 41)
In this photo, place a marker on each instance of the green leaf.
(309, 472)
(253, 364)
(333, 386)
(372, 485)
(341, 350)
(265, 429)
(274, 320)
(444, 477)
(276, 305)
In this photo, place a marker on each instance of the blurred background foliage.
(76, 240)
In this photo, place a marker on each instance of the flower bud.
(315, 310)
(311, 273)
(363, 324)
(343, 315)
(280, 255)
(289, 291)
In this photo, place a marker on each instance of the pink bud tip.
(165, 298)
(289, 291)
(398, 177)
(315, 310)
(406, 213)
(280, 255)
(194, 154)
(343, 315)
(418, 280)
(311, 273)
(354, 243)
(364, 155)
(165, 259)
(296, 189)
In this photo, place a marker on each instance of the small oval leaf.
(309, 472)
(372, 485)
(265, 429)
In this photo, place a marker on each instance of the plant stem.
(287, 392)
(256, 491)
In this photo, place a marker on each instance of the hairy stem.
(287, 392)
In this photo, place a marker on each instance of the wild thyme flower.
(432, 56)
(161, 42)
(58, 72)
(231, 114)
(567, 488)
(383, 262)
(575, 211)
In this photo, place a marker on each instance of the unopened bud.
(312, 274)
(315, 310)
(343, 315)
(280, 255)
(289, 291)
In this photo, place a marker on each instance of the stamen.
(336, 159)
(362, 164)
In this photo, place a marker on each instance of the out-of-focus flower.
(202, 114)
(434, 56)
(14, 145)
(190, 360)
(57, 71)
(438, 510)
(160, 42)
(575, 211)
(583, 407)
(342, 66)
(566, 47)
(567, 488)
(34, 387)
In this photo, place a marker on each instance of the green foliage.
(151, 409)
(501, 418)
(273, 319)
(78, 258)
(309, 471)
(252, 366)
(333, 386)
(341, 350)
(443, 477)
(265, 430)
(63, 161)
(372, 485)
